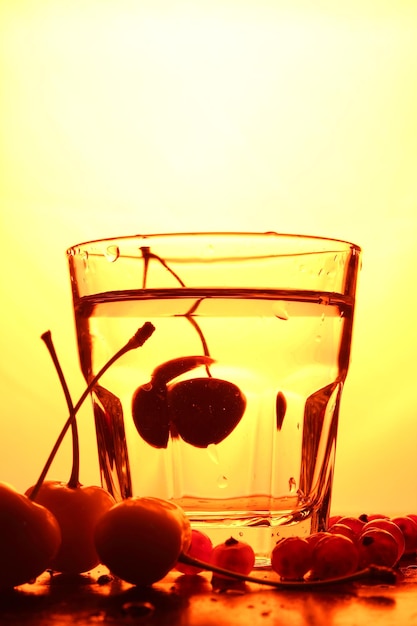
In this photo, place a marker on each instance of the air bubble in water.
(322, 319)
(222, 482)
(112, 253)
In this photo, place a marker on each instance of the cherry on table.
(355, 523)
(30, 537)
(377, 547)
(408, 526)
(392, 528)
(140, 539)
(200, 548)
(334, 556)
(77, 510)
(234, 555)
(291, 558)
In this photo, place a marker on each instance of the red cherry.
(373, 516)
(392, 528)
(333, 519)
(355, 523)
(377, 547)
(29, 538)
(77, 509)
(205, 410)
(314, 538)
(234, 556)
(150, 409)
(343, 529)
(140, 539)
(334, 556)
(200, 548)
(292, 558)
(202, 411)
(150, 414)
(408, 527)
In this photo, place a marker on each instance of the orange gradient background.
(131, 117)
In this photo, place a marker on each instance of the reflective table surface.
(177, 600)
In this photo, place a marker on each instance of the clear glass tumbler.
(230, 408)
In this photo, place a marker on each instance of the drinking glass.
(230, 408)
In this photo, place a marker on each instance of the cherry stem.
(75, 471)
(136, 341)
(147, 255)
(374, 573)
(189, 317)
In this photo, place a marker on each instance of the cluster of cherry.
(351, 545)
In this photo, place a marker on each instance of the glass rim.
(217, 234)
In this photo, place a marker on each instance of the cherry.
(333, 519)
(150, 409)
(233, 555)
(77, 510)
(355, 523)
(314, 538)
(377, 547)
(30, 534)
(138, 339)
(200, 548)
(202, 411)
(292, 558)
(343, 529)
(205, 410)
(408, 526)
(334, 556)
(30, 537)
(412, 516)
(392, 528)
(140, 539)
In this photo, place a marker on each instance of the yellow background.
(119, 117)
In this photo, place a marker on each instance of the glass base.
(261, 538)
